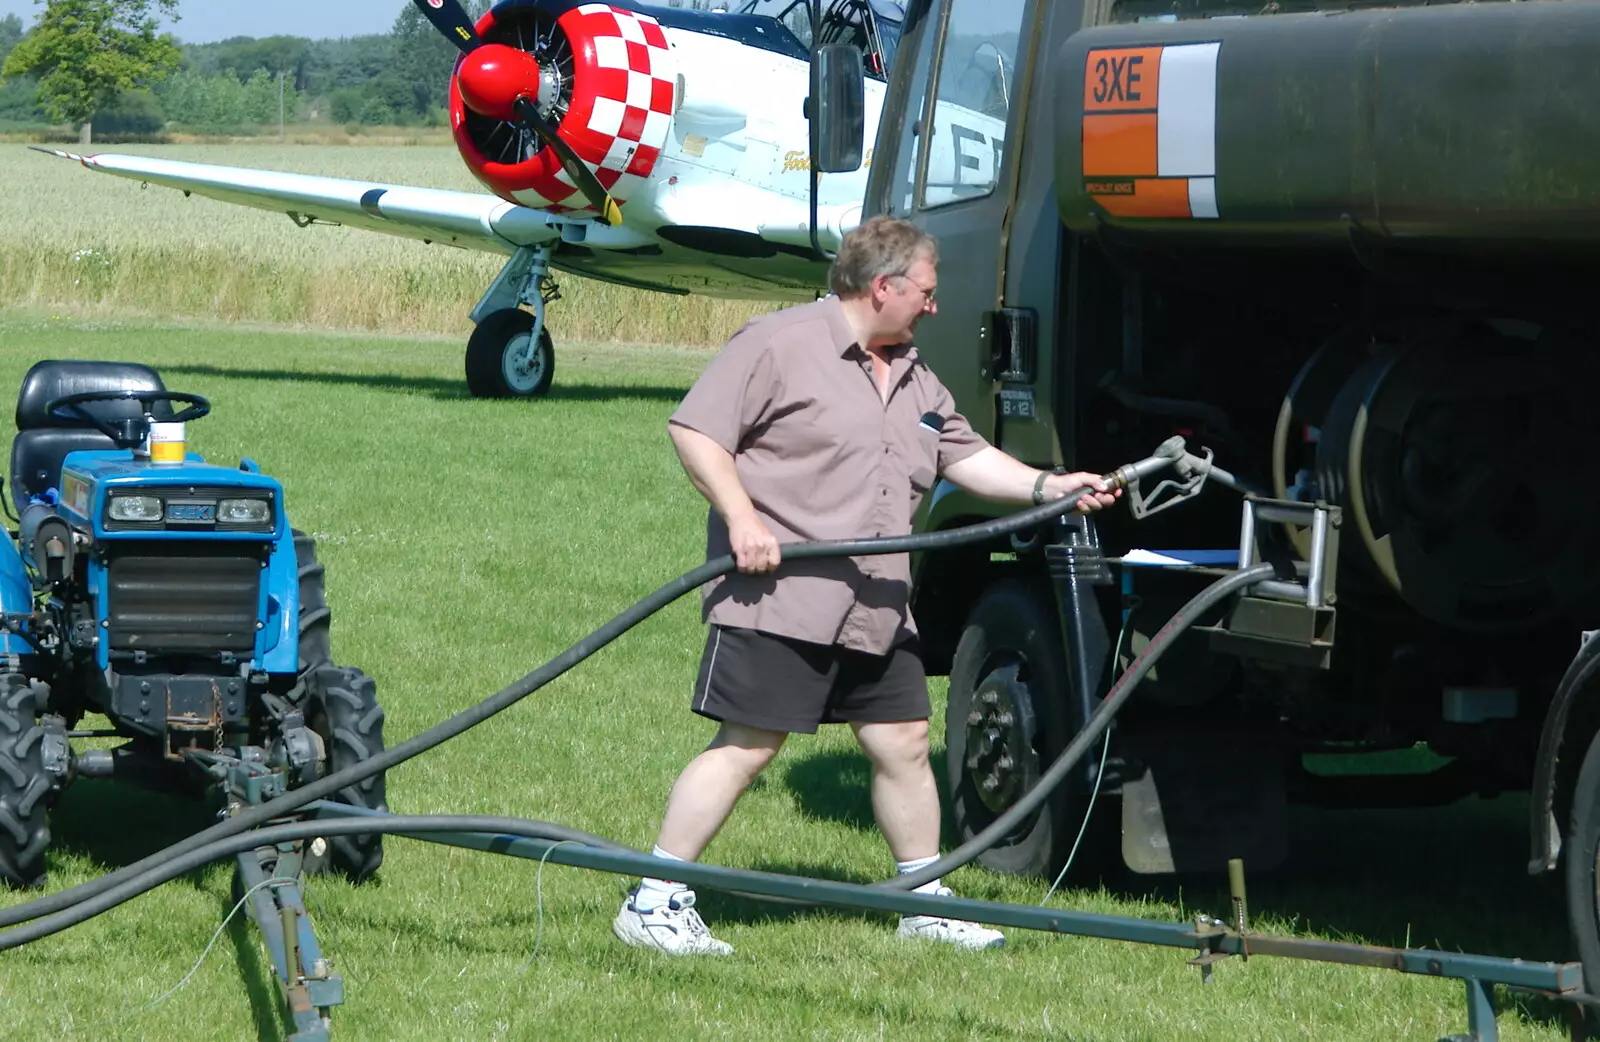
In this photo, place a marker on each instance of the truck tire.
(1008, 682)
(25, 785)
(316, 641)
(1581, 854)
(342, 708)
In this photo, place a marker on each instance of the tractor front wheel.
(342, 708)
(25, 785)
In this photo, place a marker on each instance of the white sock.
(908, 867)
(653, 893)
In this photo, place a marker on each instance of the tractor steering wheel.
(131, 432)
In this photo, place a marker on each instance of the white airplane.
(651, 147)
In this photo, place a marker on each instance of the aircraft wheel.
(505, 361)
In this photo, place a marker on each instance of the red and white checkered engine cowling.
(618, 119)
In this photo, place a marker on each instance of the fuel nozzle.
(1191, 473)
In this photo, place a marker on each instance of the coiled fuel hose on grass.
(59, 911)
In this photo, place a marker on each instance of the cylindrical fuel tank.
(1471, 128)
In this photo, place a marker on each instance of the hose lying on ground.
(96, 891)
(171, 867)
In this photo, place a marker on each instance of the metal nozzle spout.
(1170, 453)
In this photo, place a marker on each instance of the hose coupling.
(1170, 453)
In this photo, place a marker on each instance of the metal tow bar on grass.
(266, 845)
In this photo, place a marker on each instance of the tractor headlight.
(244, 511)
(135, 508)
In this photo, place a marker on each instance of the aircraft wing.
(476, 221)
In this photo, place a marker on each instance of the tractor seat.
(43, 441)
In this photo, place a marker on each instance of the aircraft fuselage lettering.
(967, 160)
(964, 159)
(796, 159)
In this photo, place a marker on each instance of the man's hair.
(881, 246)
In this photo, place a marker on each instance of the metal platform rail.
(1211, 939)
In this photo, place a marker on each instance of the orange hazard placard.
(1119, 145)
(1121, 80)
(1149, 128)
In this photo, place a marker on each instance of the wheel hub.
(524, 363)
(1000, 756)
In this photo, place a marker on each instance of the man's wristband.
(1038, 486)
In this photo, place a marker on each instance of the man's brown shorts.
(779, 684)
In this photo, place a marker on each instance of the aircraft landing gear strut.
(511, 354)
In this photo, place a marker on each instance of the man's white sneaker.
(675, 927)
(958, 932)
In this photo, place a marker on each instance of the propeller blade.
(448, 17)
(576, 169)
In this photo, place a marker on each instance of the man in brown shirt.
(820, 422)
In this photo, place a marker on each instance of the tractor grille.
(185, 599)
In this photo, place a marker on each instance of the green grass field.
(86, 243)
(469, 541)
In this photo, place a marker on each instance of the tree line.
(101, 62)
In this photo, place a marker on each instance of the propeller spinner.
(503, 83)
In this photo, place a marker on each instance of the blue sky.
(203, 21)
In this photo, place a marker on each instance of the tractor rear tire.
(25, 786)
(316, 640)
(342, 708)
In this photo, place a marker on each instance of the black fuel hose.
(117, 891)
(169, 868)
(1092, 729)
(1169, 453)
(474, 715)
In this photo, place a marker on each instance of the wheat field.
(89, 244)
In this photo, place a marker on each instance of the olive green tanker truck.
(1354, 255)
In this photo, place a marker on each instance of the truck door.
(941, 162)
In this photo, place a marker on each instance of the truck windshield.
(977, 73)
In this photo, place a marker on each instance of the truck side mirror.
(837, 108)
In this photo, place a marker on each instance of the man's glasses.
(928, 294)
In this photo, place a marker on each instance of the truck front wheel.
(1007, 720)
(1581, 854)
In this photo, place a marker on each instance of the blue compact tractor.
(171, 596)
